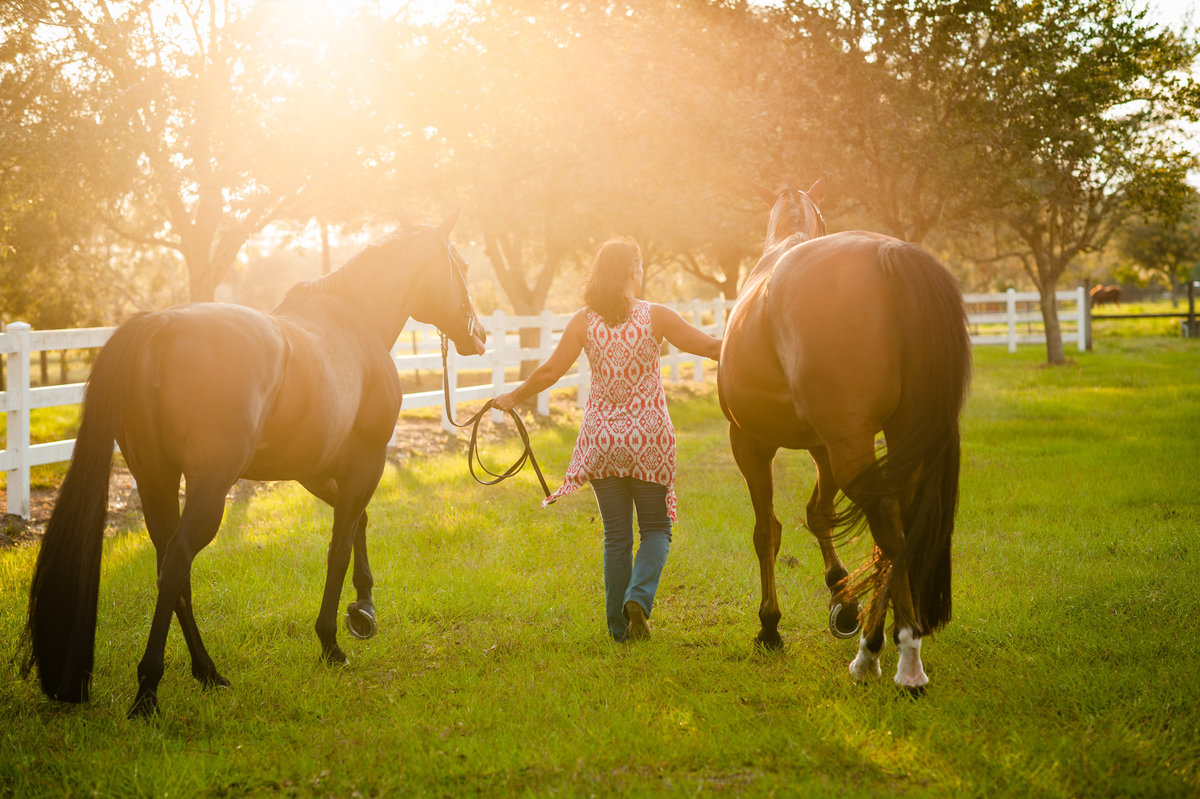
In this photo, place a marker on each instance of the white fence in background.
(1012, 318)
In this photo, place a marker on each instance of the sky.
(1172, 12)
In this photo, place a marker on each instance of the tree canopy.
(169, 134)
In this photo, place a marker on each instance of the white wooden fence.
(1012, 318)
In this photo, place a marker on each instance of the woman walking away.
(626, 444)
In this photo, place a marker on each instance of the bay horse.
(833, 339)
(1103, 295)
(213, 393)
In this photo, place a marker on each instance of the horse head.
(794, 212)
(451, 310)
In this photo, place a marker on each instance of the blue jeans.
(624, 578)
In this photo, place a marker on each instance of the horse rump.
(921, 464)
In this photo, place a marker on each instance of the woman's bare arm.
(668, 324)
(548, 373)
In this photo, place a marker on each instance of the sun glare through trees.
(1014, 140)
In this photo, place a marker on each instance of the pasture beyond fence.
(1011, 319)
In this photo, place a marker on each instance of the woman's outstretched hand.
(504, 402)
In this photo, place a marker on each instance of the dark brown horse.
(214, 393)
(833, 339)
(1103, 295)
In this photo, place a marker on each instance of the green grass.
(1069, 668)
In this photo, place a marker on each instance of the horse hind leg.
(160, 506)
(894, 590)
(853, 466)
(910, 672)
(198, 525)
(844, 609)
(754, 459)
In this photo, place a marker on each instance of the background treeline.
(152, 152)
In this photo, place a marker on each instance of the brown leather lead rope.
(473, 449)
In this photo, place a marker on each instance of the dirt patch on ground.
(122, 501)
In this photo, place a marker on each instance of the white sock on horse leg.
(865, 665)
(909, 671)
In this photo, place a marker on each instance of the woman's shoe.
(639, 628)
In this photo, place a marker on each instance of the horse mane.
(339, 280)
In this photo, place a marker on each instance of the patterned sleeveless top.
(626, 430)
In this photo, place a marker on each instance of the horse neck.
(381, 309)
(385, 310)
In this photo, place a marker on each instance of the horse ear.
(817, 192)
(448, 225)
(768, 196)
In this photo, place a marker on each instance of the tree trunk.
(1054, 341)
(201, 285)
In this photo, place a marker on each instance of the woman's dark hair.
(604, 291)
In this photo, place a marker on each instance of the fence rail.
(1008, 319)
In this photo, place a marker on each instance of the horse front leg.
(844, 609)
(360, 614)
(754, 459)
(354, 490)
(341, 545)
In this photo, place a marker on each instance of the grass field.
(1070, 668)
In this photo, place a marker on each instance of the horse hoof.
(212, 680)
(360, 620)
(144, 707)
(913, 691)
(335, 657)
(772, 642)
(843, 620)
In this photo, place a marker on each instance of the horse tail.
(59, 636)
(921, 465)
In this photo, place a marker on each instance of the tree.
(1086, 96)
(890, 96)
(52, 176)
(1152, 247)
(220, 116)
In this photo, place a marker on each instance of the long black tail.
(921, 466)
(61, 629)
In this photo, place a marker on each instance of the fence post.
(1081, 299)
(451, 378)
(17, 437)
(697, 320)
(1011, 298)
(499, 339)
(673, 357)
(545, 347)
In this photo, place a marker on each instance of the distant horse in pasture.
(1105, 295)
(213, 393)
(833, 339)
